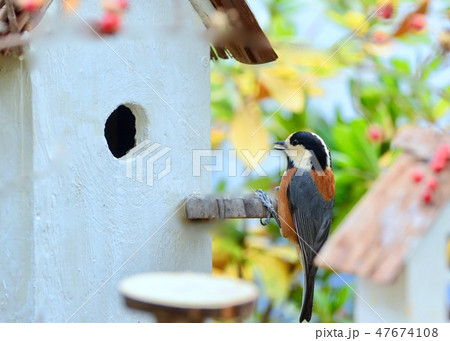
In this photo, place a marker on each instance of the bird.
(305, 203)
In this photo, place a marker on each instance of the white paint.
(419, 294)
(16, 237)
(427, 273)
(388, 301)
(79, 218)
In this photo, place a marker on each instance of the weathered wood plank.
(206, 208)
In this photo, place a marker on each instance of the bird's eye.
(294, 142)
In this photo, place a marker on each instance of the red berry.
(417, 174)
(375, 133)
(418, 21)
(110, 23)
(442, 153)
(432, 183)
(380, 37)
(123, 4)
(31, 6)
(427, 196)
(437, 165)
(386, 11)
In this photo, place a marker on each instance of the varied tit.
(305, 203)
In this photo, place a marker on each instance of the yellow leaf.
(248, 133)
(285, 86)
(284, 71)
(386, 159)
(356, 21)
(315, 91)
(246, 82)
(217, 271)
(259, 242)
(274, 273)
(235, 270)
(217, 136)
(286, 253)
(305, 57)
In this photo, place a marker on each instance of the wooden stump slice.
(189, 297)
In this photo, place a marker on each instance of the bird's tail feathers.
(308, 294)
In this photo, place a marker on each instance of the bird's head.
(306, 150)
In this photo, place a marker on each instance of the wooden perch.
(198, 208)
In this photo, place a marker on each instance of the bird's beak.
(281, 145)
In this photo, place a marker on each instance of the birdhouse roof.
(388, 223)
(238, 32)
(234, 29)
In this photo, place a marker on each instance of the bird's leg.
(270, 209)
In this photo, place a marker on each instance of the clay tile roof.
(386, 225)
(243, 38)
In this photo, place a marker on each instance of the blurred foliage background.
(352, 71)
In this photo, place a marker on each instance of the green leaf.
(401, 65)
(432, 66)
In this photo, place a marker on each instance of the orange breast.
(325, 183)
(287, 224)
(325, 186)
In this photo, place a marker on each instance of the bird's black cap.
(314, 144)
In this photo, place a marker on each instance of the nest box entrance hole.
(120, 131)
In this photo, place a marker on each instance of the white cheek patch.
(300, 157)
(305, 161)
(288, 139)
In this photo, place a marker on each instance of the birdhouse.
(97, 136)
(395, 239)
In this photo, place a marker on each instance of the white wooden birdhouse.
(395, 239)
(96, 140)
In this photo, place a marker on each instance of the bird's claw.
(265, 221)
(271, 213)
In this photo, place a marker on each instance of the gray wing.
(311, 214)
